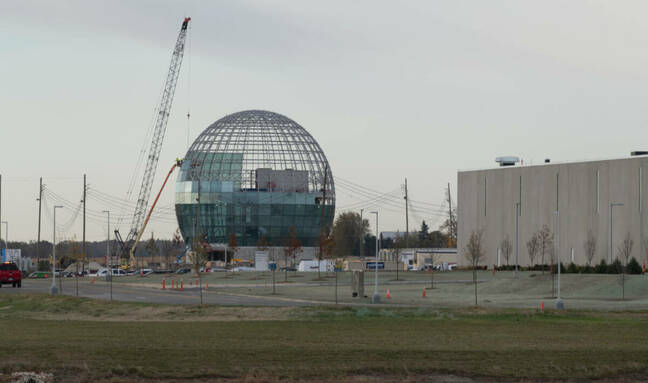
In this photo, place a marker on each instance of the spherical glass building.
(256, 174)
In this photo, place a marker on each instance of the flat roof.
(495, 167)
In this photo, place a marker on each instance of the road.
(133, 293)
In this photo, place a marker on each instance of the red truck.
(10, 274)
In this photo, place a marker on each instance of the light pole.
(108, 241)
(376, 296)
(517, 240)
(611, 206)
(53, 288)
(559, 302)
(6, 236)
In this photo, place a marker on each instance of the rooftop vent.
(547, 160)
(639, 153)
(507, 160)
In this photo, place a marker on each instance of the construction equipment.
(131, 254)
(127, 246)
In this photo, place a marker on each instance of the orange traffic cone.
(91, 280)
(388, 294)
(181, 285)
(424, 293)
(163, 283)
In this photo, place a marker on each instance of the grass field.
(452, 289)
(81, 339)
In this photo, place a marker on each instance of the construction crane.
(127, 246)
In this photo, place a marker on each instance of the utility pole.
(517, 238)
(40, 201)
(406, 217)
(323, 205)
(361, 233)
(83, 246)
(450, 219)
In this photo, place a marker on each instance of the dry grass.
(321, 344)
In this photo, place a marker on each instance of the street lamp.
(108, 241)
(517, 240)
(559, 302)
(611, 206)
(376, 296)
(6, 236)
(53, 288)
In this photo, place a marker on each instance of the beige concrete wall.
(487, 198)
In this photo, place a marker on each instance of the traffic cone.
(163, 284)
(91, 280)
(388, 294)
(206, 285)
(424, 293)
(181, 285)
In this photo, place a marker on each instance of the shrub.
(601, 268)
(572, 268)
(634, 267)
(587, 269)
(615, 267)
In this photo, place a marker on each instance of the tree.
(199, 260)
(348, 231)
(423, 233)
(262, 243)
(398, 243)
(507, 248)
(232, 246)
(590, 247)
(533, 245)
(545, 237)
(474, 253)
(369, 245)
(292, 247)
(152, 248)
(623, 252)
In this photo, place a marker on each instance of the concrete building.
(582, 193)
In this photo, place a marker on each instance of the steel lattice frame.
(266, 140)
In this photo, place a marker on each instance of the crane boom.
(163, 111)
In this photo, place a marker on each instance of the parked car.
(287, 269)
(118, 272)
(243, 268)
(183, 270)
(216, 269)
(10, 274)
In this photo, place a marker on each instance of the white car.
(118, 272)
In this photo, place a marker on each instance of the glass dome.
(257, 174)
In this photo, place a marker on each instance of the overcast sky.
(415, 89)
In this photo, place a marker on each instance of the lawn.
(193, 342)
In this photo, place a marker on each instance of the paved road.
(133, 293)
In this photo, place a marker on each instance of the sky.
(390, 90)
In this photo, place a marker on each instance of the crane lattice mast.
(164, 109)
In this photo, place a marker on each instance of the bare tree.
(623, 252)
(232, 246)
(551, 252)
(507, 248)
(533, 245)
(590, 247)
(545, 237)
(290, 250)
(474, 253)
(199, 260)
